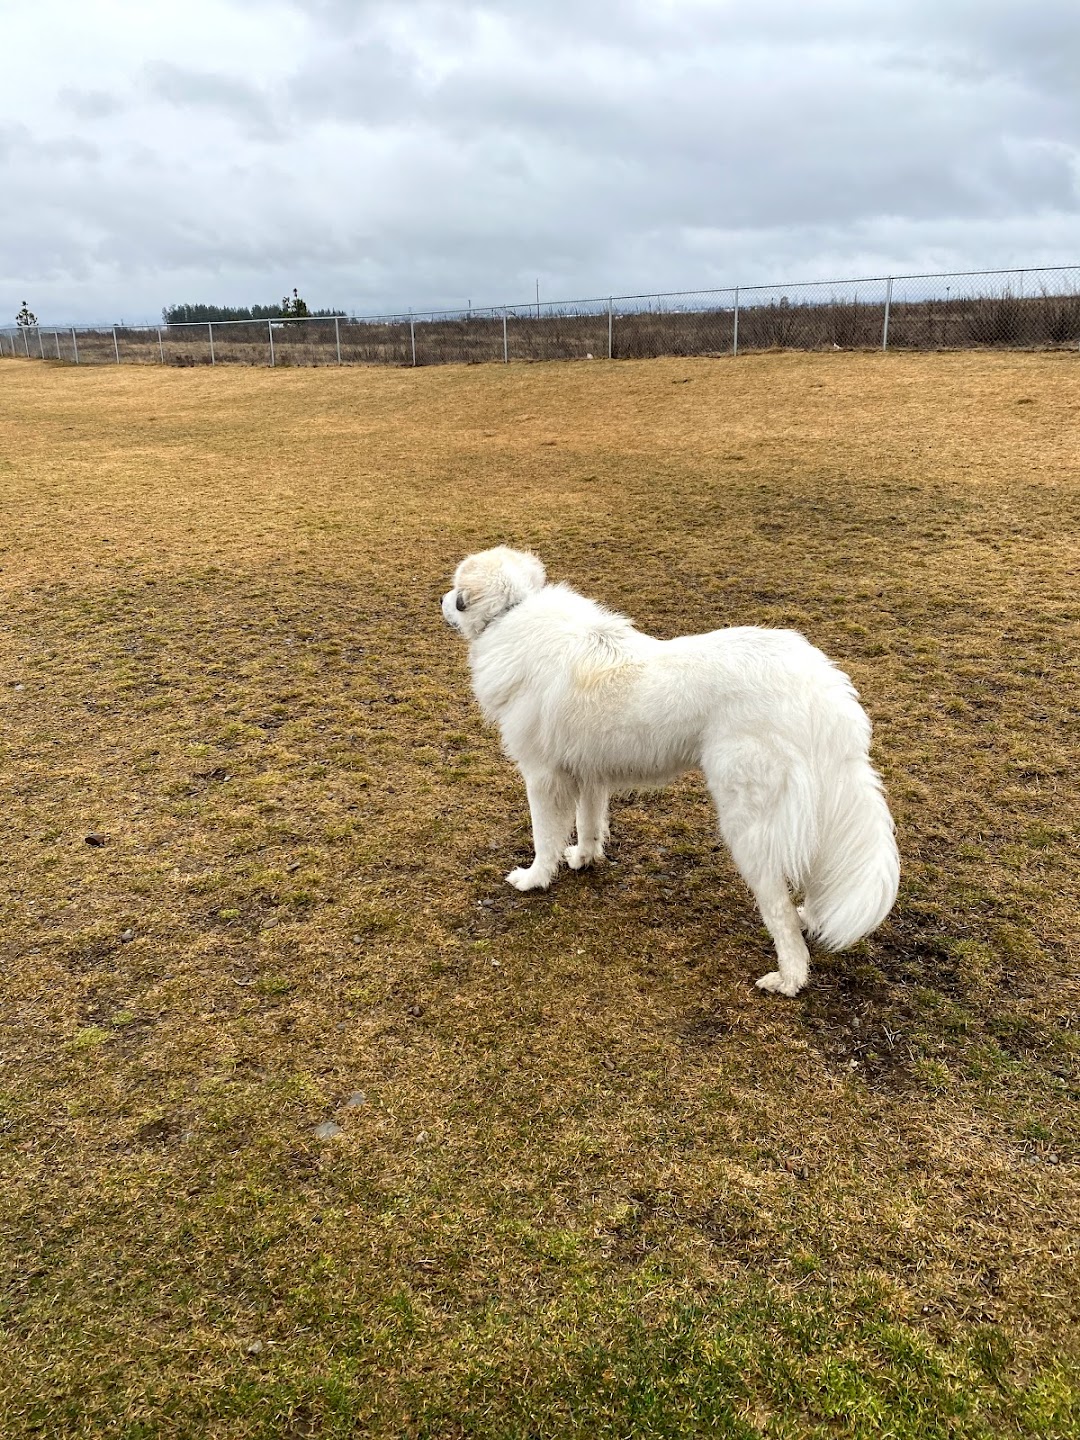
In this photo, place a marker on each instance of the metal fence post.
(412, 334)
(26, 343)
(506, 343)
(41, 342)
(735, 328)
(210, 327)
(337, 338)
(116, 345)
(888, 307)
(56, 337)
(160, 347)
(75, 344)
(610, 327)
(270, 332)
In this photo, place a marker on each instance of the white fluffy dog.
(588, 706)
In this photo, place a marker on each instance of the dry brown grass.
(599, 1185)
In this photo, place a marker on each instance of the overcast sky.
(386, 153)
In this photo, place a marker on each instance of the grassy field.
(582, 1179)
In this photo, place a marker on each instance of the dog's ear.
(535, 574)
(519, 574)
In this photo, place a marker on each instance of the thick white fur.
(588, 706)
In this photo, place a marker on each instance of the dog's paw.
(775, 983)
(577, 857)
(528, 879)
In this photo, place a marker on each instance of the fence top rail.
(532, 306)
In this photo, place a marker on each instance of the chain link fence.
(1032, 308)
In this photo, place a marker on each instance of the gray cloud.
(380, 154)
(89, 104)
(233, 97)
(20, 147)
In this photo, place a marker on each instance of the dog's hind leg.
(751, 822)
(592, 828)
(782, 922)
(552, 798)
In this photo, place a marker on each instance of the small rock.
(126, 937)
(269, 924)
(254, 1347)
(327, 1130)
(95, 839)
(355, 1100)
(416, 1010)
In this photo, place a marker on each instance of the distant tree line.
(292, 307)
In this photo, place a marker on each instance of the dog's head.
(488, 585)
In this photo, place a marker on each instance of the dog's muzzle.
(451, 610)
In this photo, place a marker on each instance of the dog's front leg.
(592, 827)
(551, 804)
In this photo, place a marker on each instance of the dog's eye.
(460, 601)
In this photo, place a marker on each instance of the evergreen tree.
(293, 307)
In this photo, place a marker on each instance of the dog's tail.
(853, 879)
